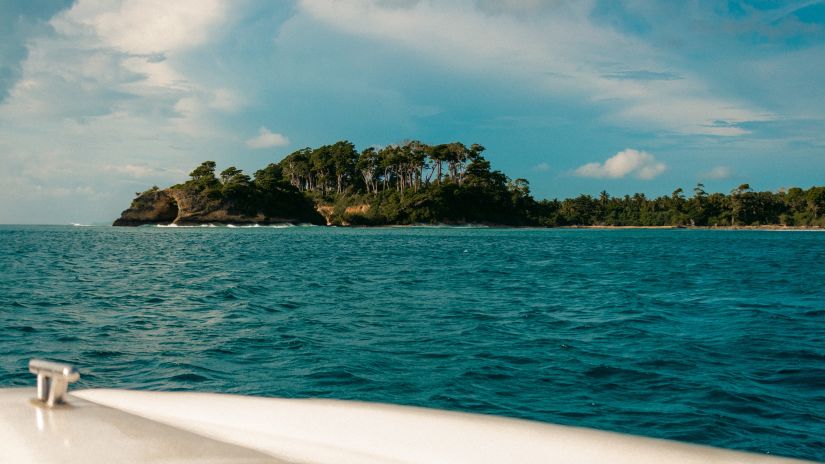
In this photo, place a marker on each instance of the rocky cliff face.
(178, 206)
(344, 218)
(151, 207)
(193, 209)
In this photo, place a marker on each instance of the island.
(453, 184)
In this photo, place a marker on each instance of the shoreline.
(775, 227)
(276, 225)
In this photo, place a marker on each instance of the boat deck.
(89, 433)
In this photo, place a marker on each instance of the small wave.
(98, 354)
(336, 377)
(81, 225)
(486, 375)
(439, 225)
(226, 294)
(231, 226)
(189, 378)
(808, 378)
(610, 373)
(281, 226)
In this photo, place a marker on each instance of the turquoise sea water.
(713, 337)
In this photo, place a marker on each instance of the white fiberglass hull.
(311, 431)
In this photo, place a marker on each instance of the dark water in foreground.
(713, 337)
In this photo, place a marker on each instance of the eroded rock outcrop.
(335, 216)
(153, 206)
(194, 209)
(183, 207)
(326, 211)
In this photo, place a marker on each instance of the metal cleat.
(53, 380)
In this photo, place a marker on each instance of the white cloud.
(133, 170)
(63, 192)
(690, 116)
(145, 26)
(629, 161)
(555, 48)
(143, 171)
(717, 173)
(225, 100)
(104, 54)
(107, 99)
(541, 167)
(266, 139)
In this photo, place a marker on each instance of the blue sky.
(101, 99)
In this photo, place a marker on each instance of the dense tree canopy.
(413, 182)
(743, 207)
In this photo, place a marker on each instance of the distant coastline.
(449, 184)
(277, 225)
(769, 227)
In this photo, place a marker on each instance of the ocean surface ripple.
(714, 337)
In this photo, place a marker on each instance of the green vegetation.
(268, 193)
(452, 183)
(743, 207)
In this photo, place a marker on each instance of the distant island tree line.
(415, 183)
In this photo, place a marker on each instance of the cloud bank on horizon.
(102, 99)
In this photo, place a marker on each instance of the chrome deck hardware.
(53, 380)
